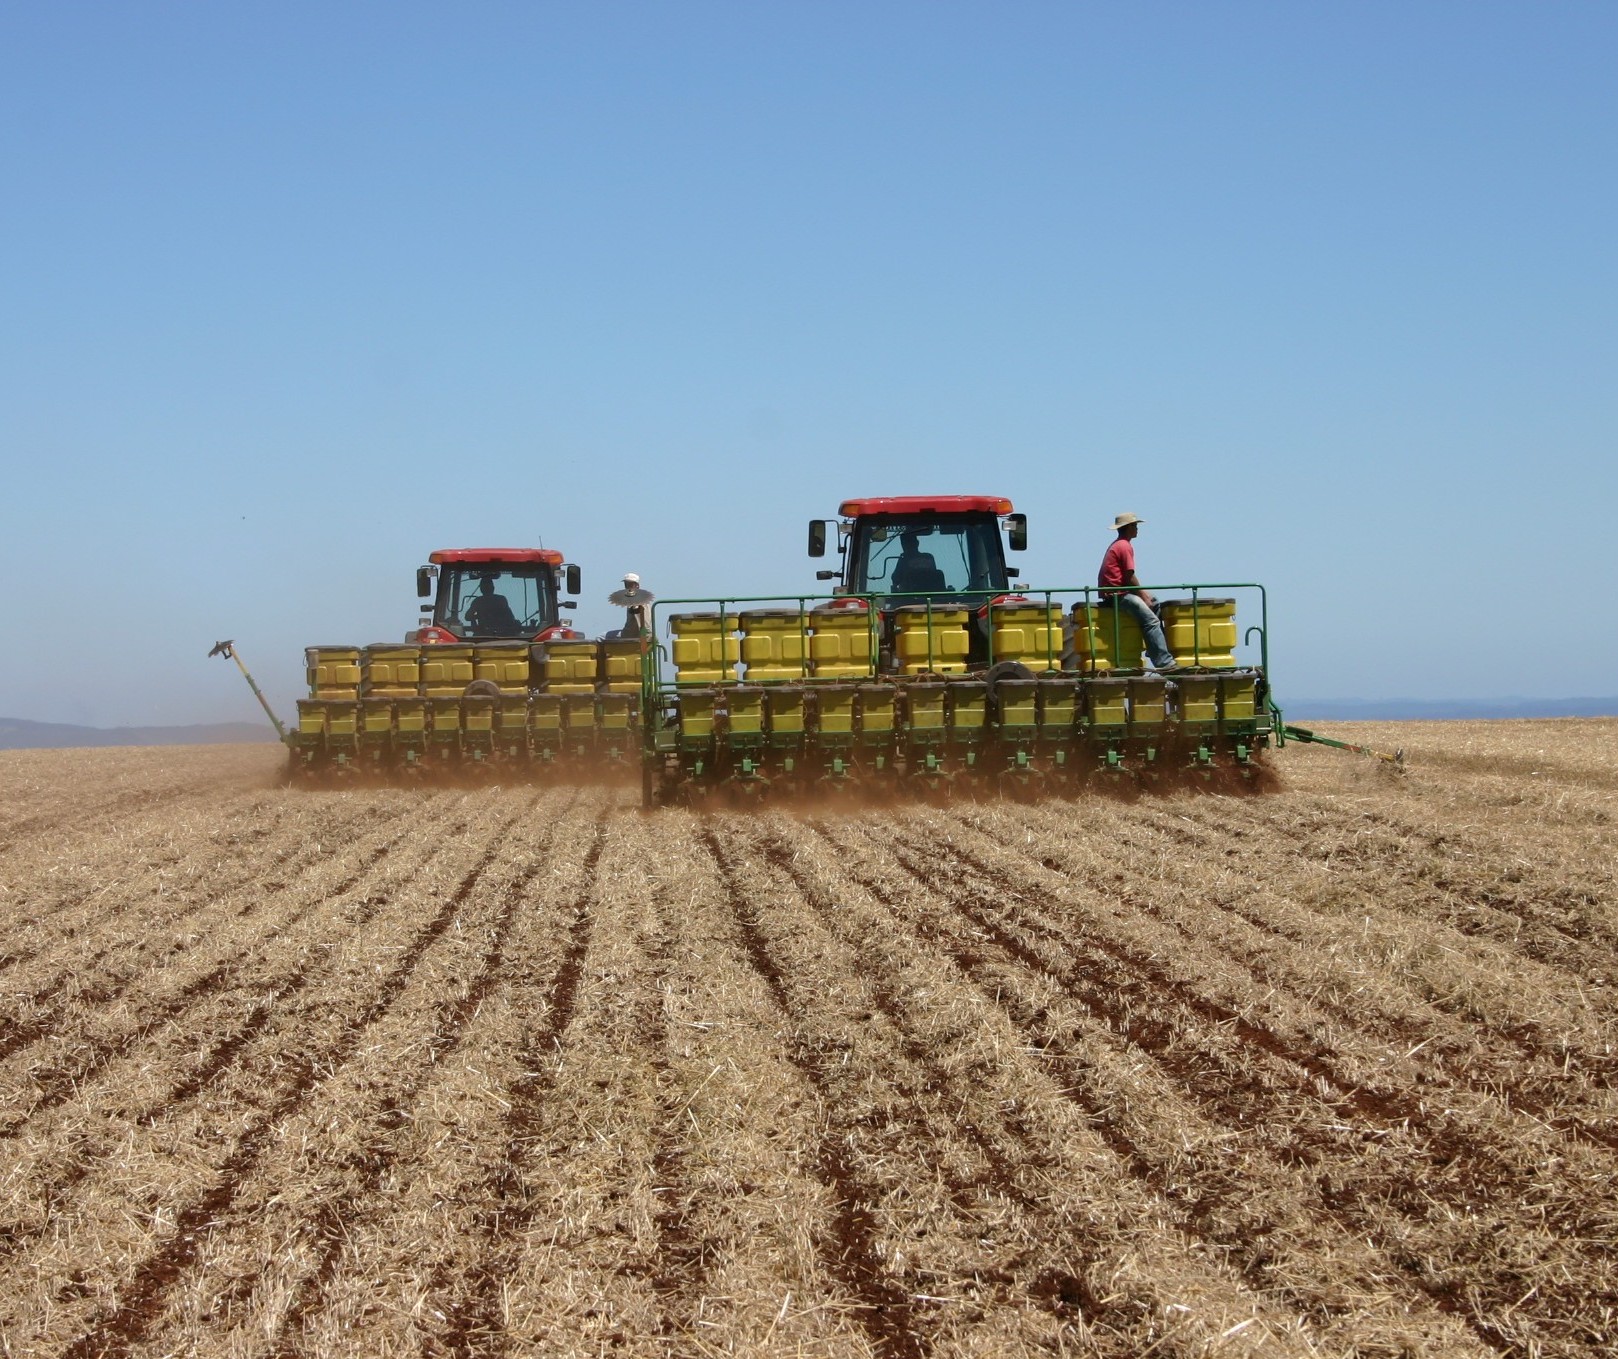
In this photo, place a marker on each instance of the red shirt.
(1118, 565)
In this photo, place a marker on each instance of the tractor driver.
(490, 615)
(1121, 589)
(915, 570)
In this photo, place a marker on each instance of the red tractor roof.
(926, 504)
(477, 556)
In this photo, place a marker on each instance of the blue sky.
(292, 294)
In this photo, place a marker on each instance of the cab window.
(940, 556)
(494, 601)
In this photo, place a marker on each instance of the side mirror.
(424, 581)
(569, 603)
(817, 538)
(1017, 536)
(572, 579)
(825, 575)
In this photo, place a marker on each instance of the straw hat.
(631, 594)
(1126, 519)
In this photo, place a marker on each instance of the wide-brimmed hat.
(1126, 519)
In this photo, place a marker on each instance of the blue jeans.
(1151, 628)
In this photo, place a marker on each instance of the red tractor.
(495, 594)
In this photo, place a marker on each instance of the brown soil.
(518, 1070)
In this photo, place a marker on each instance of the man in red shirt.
(1121, 588)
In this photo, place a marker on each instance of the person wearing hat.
(633, 601)
(1121, 588)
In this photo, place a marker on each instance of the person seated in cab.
(915, 571)
(490, 615)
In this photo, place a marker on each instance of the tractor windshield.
(496, 599)
(933, 555)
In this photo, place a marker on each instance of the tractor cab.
(922, 549)
(498, 593)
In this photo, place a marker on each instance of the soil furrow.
(998, 1177)
(338, 1216)
(68, 986)
(55, 1086)
(1388, 1106)
(1218, 1219)
(80, 817)
(473, 1324)
(1401, 1031)
(1385, 866)
(884, 1309)
(1130, 1003)
(83, 997)
(394, 1070)
(141, 1302)
(309, 855)
(679, 1267)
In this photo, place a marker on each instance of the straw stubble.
(508, 1071)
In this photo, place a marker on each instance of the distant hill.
(1422, 709)
(18, 734)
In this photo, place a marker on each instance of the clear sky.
(293, 293)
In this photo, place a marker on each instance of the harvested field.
(521, 1070)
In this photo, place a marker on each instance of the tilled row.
(1476, 1010)
(358, 1225)
(1255, 916)
(56, 803)
(1416, 1172)
(511, 1072)
(465, 1274)
(300, 1013)
(141, 931)
(1080, 1034)
(658, 1193)
(195, 856)
(1455, 875)
(62, 1048)
(981, 1214)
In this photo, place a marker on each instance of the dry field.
(525, 1071)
